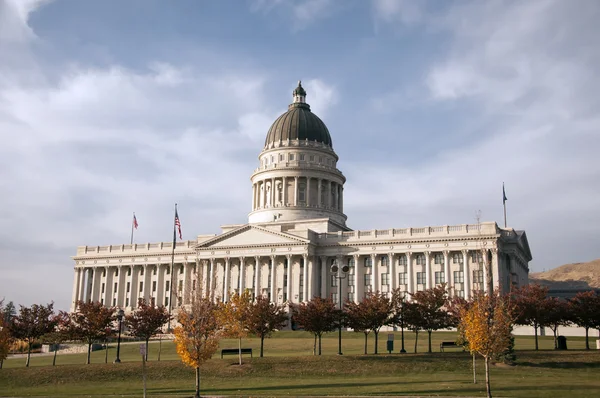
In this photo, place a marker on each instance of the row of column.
(273, 192)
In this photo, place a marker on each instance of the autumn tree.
(147, 321)
(398, 316)
(32, 323)
(556, 314)
(265, 318)
(60, 333)
(5, 337)
(91, 322)
(317, 316)
(585, 312)
(234, 317)
(197, 336)
(357, 320)
(430, 304)
(487, 324)
(529, 308)
(373, 312)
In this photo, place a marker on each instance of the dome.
(298, 123)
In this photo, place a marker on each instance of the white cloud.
(14, 15)
(302, 13)
(408, 12)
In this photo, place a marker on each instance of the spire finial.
(299, 94)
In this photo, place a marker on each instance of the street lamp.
(402, 350)
(339, 274)
(120, 314)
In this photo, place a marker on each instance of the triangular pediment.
(251, 235)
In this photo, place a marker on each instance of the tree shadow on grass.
(562, 365)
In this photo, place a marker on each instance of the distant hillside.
(570, 276)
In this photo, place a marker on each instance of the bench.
(236, 351)
(449, 344)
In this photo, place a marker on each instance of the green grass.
(289, 369)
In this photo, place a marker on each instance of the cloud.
(302, 13)
(14, 15)
(409, 12)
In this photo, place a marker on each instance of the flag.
(504, 199)
(178, 225)
(135, 223)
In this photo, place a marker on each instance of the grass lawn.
(289, 369)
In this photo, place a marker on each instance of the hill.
(570, 276)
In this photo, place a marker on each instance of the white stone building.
(295, 231)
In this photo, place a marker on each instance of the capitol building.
(296, 230)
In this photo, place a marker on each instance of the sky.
(113, 107)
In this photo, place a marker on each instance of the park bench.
(449, 344)
(235, 351)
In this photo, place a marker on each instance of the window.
(167, 286)
(385, 279)
(420, 278)
(368, 261)
(154, 271)
(402, 278)
(420, 259)
(459, 277)
(127, 302)
(302, 193)
(180, 286)
(166, 301)
(301, 296)
(311, 158)
(116, 287)
(334, 297)
(194, 284)
(281, 157)
(272, 159)
(384, 261)
(103, 288)
(334, 281)
(141, 286)
(350, 281)
(104, 272)
(129, 271)
(478, 276)
(142, 271)
(368, 280)
(181, 270)
(351, 262)
(284, 296)
(457, 258)
(302, 157)
(402, 260)
(460, 293)
(438, 258)
(154, 286)
(320, 159)
(117, 272)
(128, 286)
(351, 297)
(291, 156)
(168, 271)
(439, 278)
(114, 302)
(476, 257)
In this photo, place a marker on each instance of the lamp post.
(402, 350)
(339, 274)
(120, 314)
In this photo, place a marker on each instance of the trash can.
(562, 342)
(390, 346)
(598, 344)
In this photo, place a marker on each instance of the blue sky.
(109, 107)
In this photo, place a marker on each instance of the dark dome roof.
(298, 123)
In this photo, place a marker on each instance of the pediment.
(250, 235)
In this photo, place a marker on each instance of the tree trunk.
(89, 353)
(315, 346)
(1, 363)
(535, 328)
(416, 340)
(240, 349)
(159, 346)
(376, 336)
(474, 370)
(197, 395)
(587, 343)
(366, 337)
(319, 344)
(262, 344)
(429, 333)
(28, 353)
(146, 356)
(487, 378)
(54, 359)
(105, 351)
(555, 340)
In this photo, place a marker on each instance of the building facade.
(295, 232)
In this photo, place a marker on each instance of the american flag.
(178, 224)
(135, 224)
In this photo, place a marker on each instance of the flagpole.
(172, 270)
(132, 223)
(504, 203)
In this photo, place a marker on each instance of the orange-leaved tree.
(585, 312)
(529, 307)
(234, 316)
(32, 323)
(197, 336)
(265, 318)
(4, 334)
(90, 323)
(147, 320)
(431, 306)
(317, 316)
(373, 312)
(487, 324)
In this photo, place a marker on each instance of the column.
(77, 272)
(305, 281)
(334, 194)
(392, 272)
(409, 273)
(122, 292)
(341, 198)
(428, 281)
(329, 195)
(447, 274)
(289, 278)
(311, 278)
(343, 282)
(160, 284)
(374, 273)
(108, 287)
(467, 274)
(133, 286)
(307, 191)
(187, 283)
(211, 278)
(227, 277)
(82, 283)
(253, 197)
(295, 191)
(358, 291)
(324, 274)
(147, 282)
(484, 288)
(497, 280)
(257, 277)
(242, 281)
(319, 192)
(273, 297)
(273, 189)
(284, 191)
(205, 278)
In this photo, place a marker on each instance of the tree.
(430, 305)
(317, 316)
(373, 312)
(91, 322)
(59, 334)
(487, 324)
(197, 336)
(234, 316)
(585, 309)
(9, 312)
(412, 319)
(556, 314)
(32, 323)
(529, 307)
(5, 337)
(147, 321)
(265, 318)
